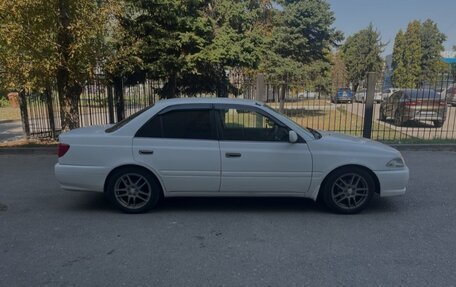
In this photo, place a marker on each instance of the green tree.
(191, 44)
(399, 70)
(339, 75)
(431, 46)
(416, 55)
(361, 53)
(300, 42)
(43, 43)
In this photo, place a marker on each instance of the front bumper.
(393, 182)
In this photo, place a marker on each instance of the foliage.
(47, 42)
(416, 55)
(431, 47)
(302, 36)
(339, 75)
(361, 54)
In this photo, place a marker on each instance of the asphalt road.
(49, 237)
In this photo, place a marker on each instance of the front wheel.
(438, 124)
(133, 190)
(348, 190)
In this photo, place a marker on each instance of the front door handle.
(233, 154)
(146, 151)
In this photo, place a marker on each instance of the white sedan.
(225, 147)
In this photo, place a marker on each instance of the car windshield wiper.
(316, 134)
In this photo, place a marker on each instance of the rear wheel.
(133, 190)
(398, 121)
(438, 124)
(382, 115)
(348, 190)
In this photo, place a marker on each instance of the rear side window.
(180, 124)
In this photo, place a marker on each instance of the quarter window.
(249, 125)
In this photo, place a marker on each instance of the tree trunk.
(172, 86)
(69, 89)
(222, 85)
(69, 94)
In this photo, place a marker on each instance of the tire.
(133, 190)
(398, 119)
(382, 115)
(348, 190)
(438, 124)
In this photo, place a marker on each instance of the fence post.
(110, 104)
(119, 98)
(369, 108)
(50, 112)
(260, 88)
(24, 114)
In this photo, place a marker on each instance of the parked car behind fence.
(414, 105)
(342, 95)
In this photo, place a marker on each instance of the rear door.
(256, 156)
(180, 144)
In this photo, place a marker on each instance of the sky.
(388, 16)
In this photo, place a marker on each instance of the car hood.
(347, 142)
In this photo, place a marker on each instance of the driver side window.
(249, 125)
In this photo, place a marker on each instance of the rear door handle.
(146, 151)
(232, 154)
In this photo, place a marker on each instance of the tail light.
(411, 103)
(62, 149)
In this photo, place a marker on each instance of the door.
(180, 144)
(256, 156)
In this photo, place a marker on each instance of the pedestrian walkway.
(10, 131)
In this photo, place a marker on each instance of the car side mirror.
(292, 136)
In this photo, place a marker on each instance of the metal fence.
(372, 112)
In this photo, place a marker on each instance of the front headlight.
(397, 162)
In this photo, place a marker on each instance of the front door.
(256, 156)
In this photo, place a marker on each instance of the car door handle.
(146, 151)
(232, 154)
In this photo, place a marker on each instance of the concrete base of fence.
(28, 150)
(425, 147)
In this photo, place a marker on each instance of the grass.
(9, 114)
(341, 120)
(330, 119)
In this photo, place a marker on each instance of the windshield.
(125, 121)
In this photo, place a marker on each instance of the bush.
(4, 101)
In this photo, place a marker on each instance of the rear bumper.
(81, 178)
(393, 182)
(340, 100)
(425, 115)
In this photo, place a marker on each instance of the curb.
(425, 147)
(29, 150)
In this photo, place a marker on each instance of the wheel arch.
(368, 170)
(126, 166)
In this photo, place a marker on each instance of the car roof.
(420, 93)
(183, 101)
